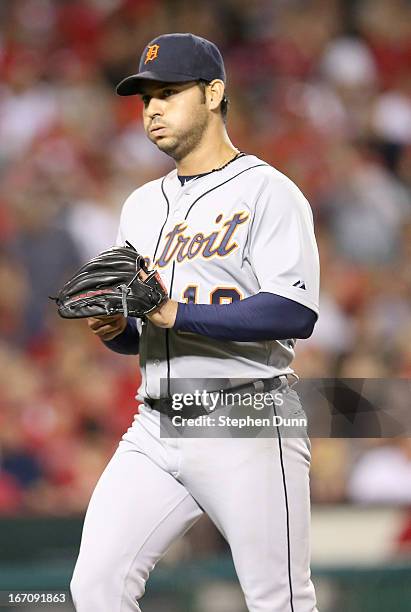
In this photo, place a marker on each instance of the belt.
(264, 385)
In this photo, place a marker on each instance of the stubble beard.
(187, 139)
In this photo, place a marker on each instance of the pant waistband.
(264, 385)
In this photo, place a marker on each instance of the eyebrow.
(159, 88)
(165, 86)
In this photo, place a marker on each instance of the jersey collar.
(203, 183)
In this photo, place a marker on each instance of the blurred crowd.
(321, 89)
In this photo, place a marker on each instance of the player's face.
(175, 116)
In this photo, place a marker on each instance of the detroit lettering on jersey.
(180, 246)
(217, 239)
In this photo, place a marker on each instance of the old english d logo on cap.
(152, 53)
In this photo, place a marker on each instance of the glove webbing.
(125, 290)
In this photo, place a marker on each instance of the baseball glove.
(110, 284)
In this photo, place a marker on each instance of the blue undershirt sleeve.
(126, 343)
(264, 316)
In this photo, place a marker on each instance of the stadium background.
(322, 90)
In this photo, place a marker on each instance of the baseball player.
(233, 241)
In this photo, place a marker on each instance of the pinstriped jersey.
(218, 238)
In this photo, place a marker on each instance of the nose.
(154, 108)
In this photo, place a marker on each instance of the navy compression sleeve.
(263, 316)
(126, 343)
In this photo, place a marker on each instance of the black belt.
(264, 385)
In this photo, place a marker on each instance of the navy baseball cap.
(175, 58)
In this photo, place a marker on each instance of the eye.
(146, 100)
(168, 92)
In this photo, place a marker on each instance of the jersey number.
(220, 295)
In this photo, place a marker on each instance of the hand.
(164, 315)
(107, 327)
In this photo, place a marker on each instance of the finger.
(142, 275)
(111, 335)
(96, 322)
(106, 330)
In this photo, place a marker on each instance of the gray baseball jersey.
(219, 238)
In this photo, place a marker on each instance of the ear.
(215, 93)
